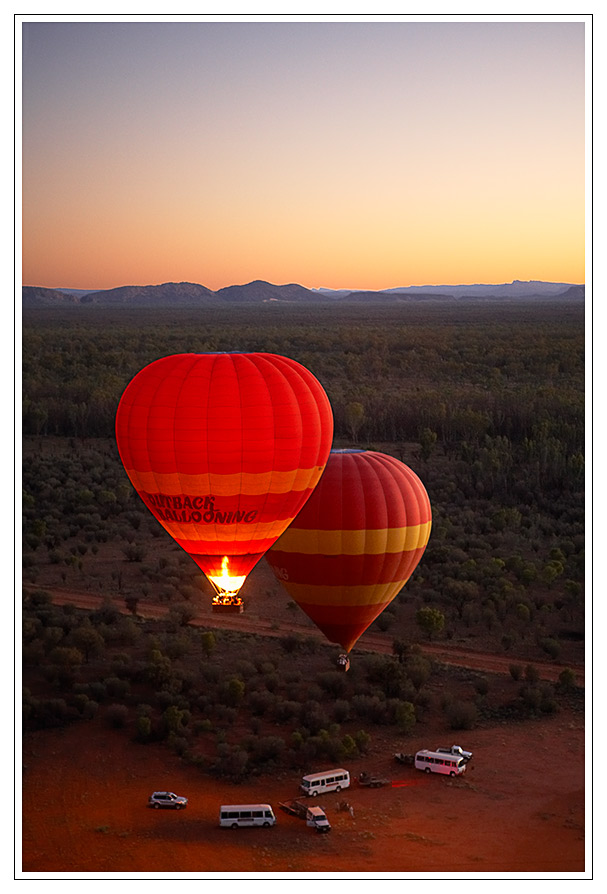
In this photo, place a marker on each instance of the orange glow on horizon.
(459, 242)
(412, 154)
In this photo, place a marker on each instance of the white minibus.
(327, 781)
(438, 762)
(235, 815)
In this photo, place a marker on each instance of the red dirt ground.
(517, 810)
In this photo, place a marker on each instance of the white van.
(235, 815)
(439, 762)
(327, 781)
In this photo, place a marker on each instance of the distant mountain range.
(187, 294)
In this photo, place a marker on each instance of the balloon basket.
(228, 608)
(343, 662)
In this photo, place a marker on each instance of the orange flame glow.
(227, 585)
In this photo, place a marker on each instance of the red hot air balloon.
(224, 450)
(355, 543)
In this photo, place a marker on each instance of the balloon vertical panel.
(224, 449)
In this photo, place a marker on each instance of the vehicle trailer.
(294, 808)
(370, 781)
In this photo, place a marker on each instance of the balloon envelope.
(355, 543)
(224, 450)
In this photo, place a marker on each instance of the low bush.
(461, 715)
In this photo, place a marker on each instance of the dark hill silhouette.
(187, 294)
(264, 291)
(169, 294)
(37, 296)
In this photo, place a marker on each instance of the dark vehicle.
(167, 799)
(373, 781)
(403, 758)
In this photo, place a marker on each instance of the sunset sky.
(354, 154)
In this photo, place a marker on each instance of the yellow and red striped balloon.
(355, 543)
(224, 450)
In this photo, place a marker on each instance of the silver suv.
(167, 799)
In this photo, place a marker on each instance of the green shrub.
(551, 647)
(232, 762)
(418, 670)
(208, 642)
(143, 728)
(430, 620)
(232, 691)
(349, 746)
(313, 716)
(116, 687)
(481, 685)
(363, 741)
(334, 683)
(341, 711)
(567, 680)
(461, 715)
(268, 749)
(291, 643)
(285, 710)
(532, 674)
(262, 702)
(532, 698)
(404, 717)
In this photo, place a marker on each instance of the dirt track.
(250, 623)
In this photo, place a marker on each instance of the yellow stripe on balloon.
(238, 483)
(242, 532)
(355, 543)
(333, 597)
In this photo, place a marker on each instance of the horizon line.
(309, 288)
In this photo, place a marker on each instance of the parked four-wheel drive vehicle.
(458, 750)
(167, 799)
(314, 816)
(317, 819)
